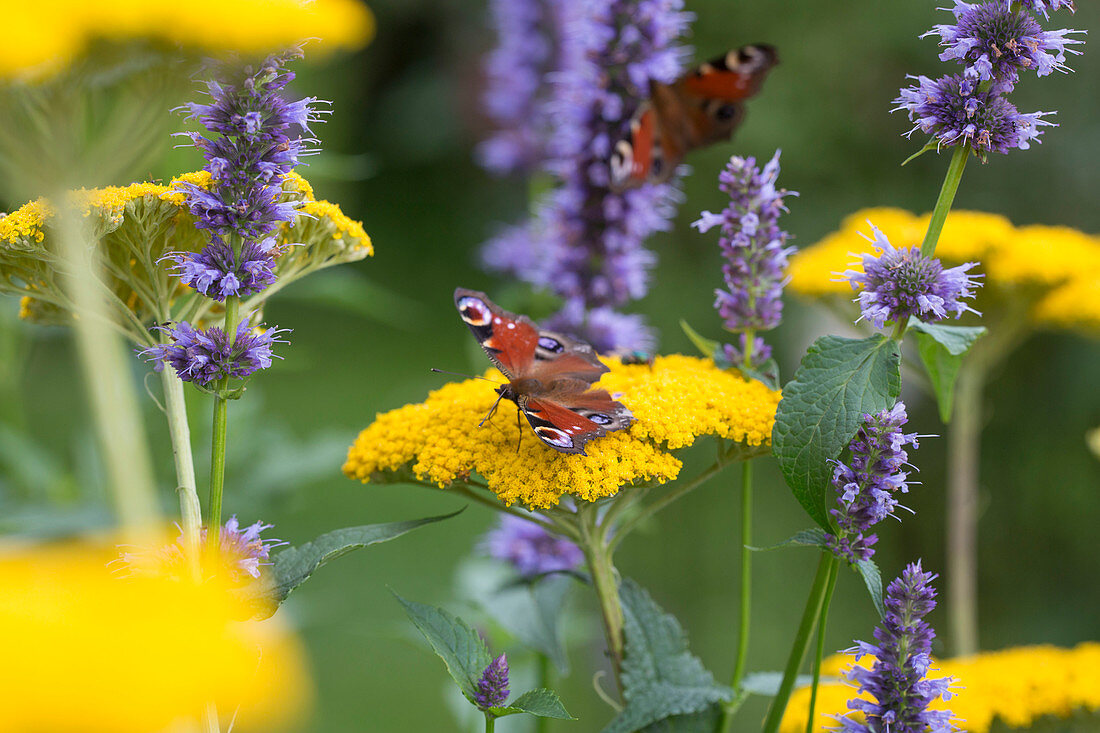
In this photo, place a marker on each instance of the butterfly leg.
(492, 411)
(519, 429)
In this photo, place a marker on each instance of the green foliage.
(941, 350)
(707, 347)
(813, 537)
(532, 612)
(838, 382)
(767, 683)
(872, 578)
(467, 656)
(661, 678)
(294, 565)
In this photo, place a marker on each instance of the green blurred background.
(398, 156)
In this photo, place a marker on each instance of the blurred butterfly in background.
(550, 375)
(703, 107)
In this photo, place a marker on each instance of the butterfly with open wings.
(703, 107)
(550, 376)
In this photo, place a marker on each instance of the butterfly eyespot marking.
(600, 419)
(726, 112)
(553, 436)
(474, 312)
(551, 344)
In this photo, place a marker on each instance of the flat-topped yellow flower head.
(1054, 270)
(675, 401)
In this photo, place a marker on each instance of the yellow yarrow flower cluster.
(1017, 686)
(88, 648)
(1055, 269)
(135, 226)
(46, 35)
(675, 401)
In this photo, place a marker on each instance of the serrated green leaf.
(458, 645)
(705, 721)
(838, 382)
(767, 683)
(766, 373)
(872, 578)
(661, 678)
(957, 340)
(533, 613)
(291, 567)
(542, 703)
(813, 537)
(941, 350)
(706, 346)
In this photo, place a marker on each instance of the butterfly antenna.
(492, 410)
(468, 376)
(519, 429)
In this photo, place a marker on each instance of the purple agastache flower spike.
(492, 688)
(254, 138)
(585, 243)
(754, 247)
(953, 111)
(899, 283)
(997, 42)
(1046, 7)
(902, 659)
(529, 36)
(205, 356)
(529, 548)
(867, 484)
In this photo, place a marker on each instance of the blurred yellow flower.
(93, 650)
(1054, 269)
(1016, 686)
(677, 400)
(135, 226)
(45, 35)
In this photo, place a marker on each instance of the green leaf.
(957, 340)
(661, 678)
(872, 578)
(813, 537)
(533, 613)
(706, 346)
(767, 373)
(458, 645)
(941, 350)
(838, 382)
(932, 144)
(705, 721)
(542, 703)
(292, 566)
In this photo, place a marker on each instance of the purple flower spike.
(954, 112)
(205, 356)
(530, 549)
(244, 547)
(867, 485)
(899, 283)
(753, 245)
(902, 659)
(1046, 7)
(492, 688)
(996, 42)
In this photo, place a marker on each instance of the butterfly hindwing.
(567, 426)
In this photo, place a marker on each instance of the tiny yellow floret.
(676, 401)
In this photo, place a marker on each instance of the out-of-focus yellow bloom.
(1017, 686)
(1056, 269)
(90, 649)
(135, 226)
(677, 400)
(41, 36)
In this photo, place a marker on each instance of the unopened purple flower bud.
(492, 688)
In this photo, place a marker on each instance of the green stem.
(947, 197)
(542, 725)
(606, 586)
(549, 526)
(179, 431)
(726, 719)
(490, 722)
(221, 421)
(801, 642)
(820, 652)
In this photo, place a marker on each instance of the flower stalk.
(946, 198)
(805, 632)
(597, 552)
(820, 651)
(179, 432)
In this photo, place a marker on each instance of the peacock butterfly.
(703, 107)
(550, 376)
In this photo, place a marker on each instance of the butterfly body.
(550, 376)
(703, 107)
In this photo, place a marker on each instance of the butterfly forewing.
(510, 341)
